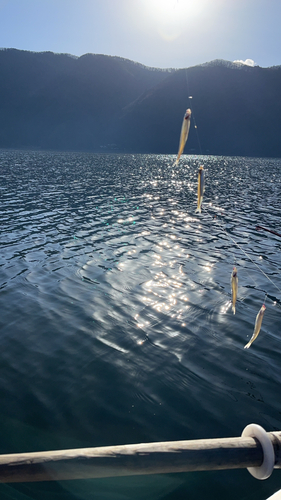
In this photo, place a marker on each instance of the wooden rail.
(136, 459)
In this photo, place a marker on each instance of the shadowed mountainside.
(237, 111)
(103, 103)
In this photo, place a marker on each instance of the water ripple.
(116, 317)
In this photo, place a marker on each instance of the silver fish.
(201, 188)
(234, 287)
(184, 134)
(258, 323)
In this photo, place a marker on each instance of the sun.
(173, 10)
(171, 16)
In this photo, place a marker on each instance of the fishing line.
(190, 97)
(235, 259)
(247, 255)
(228, 235)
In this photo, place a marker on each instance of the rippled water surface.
(116, 323)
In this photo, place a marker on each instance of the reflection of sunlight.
(112, 344)
(208, 267)
(170, 292)
(225, 307)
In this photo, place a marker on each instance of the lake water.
(116, 323)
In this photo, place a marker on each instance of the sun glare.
(171, 16)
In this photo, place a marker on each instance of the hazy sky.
(160, 33)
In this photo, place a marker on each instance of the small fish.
(234, 287)
(258, 323)
(184, 134)
(201, 188)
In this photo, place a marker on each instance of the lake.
(116, 320)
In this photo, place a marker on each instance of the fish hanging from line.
(184, 134)
(201, 188)
(234, 287)
(258, 323)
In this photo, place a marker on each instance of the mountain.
(103, 103)
(237, 110)
(58, 101)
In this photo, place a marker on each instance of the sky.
(157, 33)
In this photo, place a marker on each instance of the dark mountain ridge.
(237, 111)
(103, 103)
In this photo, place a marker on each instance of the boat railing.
(257, 450)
